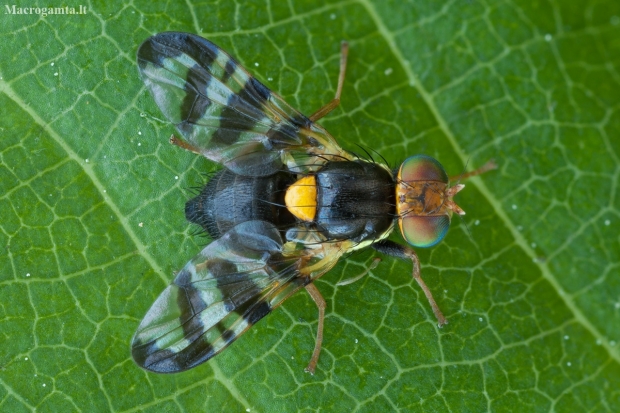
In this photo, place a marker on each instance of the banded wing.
(220, 109)
(234, 282)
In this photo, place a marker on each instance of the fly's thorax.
(424, 202)
(345, 200)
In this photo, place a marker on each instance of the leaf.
(92, 195)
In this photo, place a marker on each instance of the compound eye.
(424, 231)
(422, 168)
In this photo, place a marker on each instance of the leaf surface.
(92, 196)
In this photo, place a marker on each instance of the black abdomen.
(229, 199)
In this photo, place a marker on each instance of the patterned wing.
(220, 109)
(234, 282)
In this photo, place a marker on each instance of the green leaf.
(92, 195)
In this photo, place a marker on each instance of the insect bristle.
(272, 203)
(199, 232)
(194, 190)
(385, 162)
(368, 157)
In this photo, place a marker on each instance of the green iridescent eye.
(424, 231)
(422, 168)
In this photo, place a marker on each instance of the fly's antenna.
(466, 227)
(458, 181)
(489, 166)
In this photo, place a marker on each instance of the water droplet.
(477, 222)
(52, 64)
(56, 74)
(568, 363)
(514, 206)
(332, 16)
(566, 337)
(256, 64)
(388, 71)
(607, 222)
(548, 37)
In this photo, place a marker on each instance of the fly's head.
(424, 201)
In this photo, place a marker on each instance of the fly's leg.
(344, 52)
(489, 166)
(373, 265)
(400, 251)
(320, 303)
(184, 145)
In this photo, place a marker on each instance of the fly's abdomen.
(229, 199)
